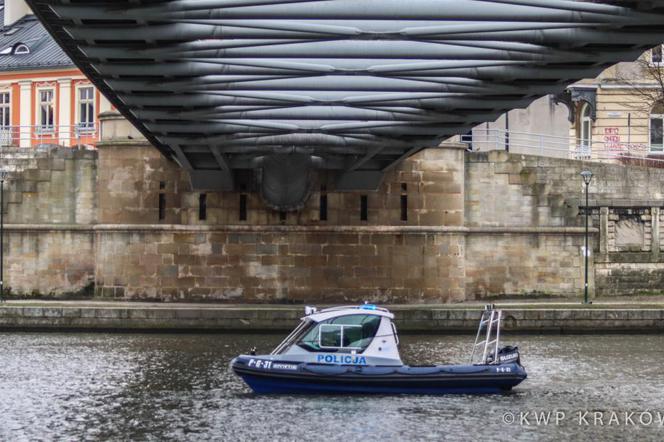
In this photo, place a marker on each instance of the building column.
(104, 104)
(655, 245)
(25, 106)
(65, 129)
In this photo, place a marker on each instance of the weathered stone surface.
(44, 187)
(479, 225)
(629, 234)
(350, 269)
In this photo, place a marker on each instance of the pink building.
(44, 98)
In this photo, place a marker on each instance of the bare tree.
(645, 77)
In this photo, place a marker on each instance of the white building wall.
(14, 10)
(543, 127)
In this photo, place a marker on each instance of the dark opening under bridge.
(289, 87)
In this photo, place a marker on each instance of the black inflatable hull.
(283, 377)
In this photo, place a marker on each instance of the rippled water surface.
(178, 387)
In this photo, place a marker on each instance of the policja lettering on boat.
(341, 359)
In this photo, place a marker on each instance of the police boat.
(354, 349)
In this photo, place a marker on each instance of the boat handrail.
(354, 307)
(279, 348)
(489, 321)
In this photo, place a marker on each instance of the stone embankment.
(463, 318)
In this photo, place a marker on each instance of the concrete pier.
(544, 317)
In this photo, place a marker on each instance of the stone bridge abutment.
(445, 226)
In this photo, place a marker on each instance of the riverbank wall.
(121, 222)
(256, 319)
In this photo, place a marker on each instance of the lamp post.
(587, 176)
(3, 178)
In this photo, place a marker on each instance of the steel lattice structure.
(286, 87)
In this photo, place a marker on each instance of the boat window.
(341, 334)
(337, 336)
(330, 335)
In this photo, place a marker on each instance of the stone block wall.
(519, 190)
(535, 262)
(49, 261)
(130, 178)
(343, 259)
(630, 278)
(54, 186)
(269, 259)
(480, 225)
(505, 189)
(630, 259)
(625, 202)
(287, 264)
(49, 207)
(81, 219)
(130, 174)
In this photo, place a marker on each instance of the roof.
(44, 51)
(334, 312)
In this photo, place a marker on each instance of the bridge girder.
(347, 85)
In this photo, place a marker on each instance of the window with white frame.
(5, 109)
(586, 132)
(45, 115)
(5, 119)
(21, 49)
(86, 108)
(657, 128)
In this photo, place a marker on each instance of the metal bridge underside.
(286, 88)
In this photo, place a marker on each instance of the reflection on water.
(178, 387)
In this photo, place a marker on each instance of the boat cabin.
(352, 335)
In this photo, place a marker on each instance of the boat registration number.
(270, 365)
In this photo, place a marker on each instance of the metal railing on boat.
(490, 321)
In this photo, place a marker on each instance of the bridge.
(289, 88)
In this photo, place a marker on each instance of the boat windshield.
(342, 334)
(295, 335)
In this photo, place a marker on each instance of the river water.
(178, 387)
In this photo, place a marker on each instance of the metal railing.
(563, 147)
(487, 348)
(36, 136)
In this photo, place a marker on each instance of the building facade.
(44, 99)
(621, 112)
(616, 117)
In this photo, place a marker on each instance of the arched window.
(21, 49)
(657, 128)
(586, 128)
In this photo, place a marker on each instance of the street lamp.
(587, 176)
(3, 178)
